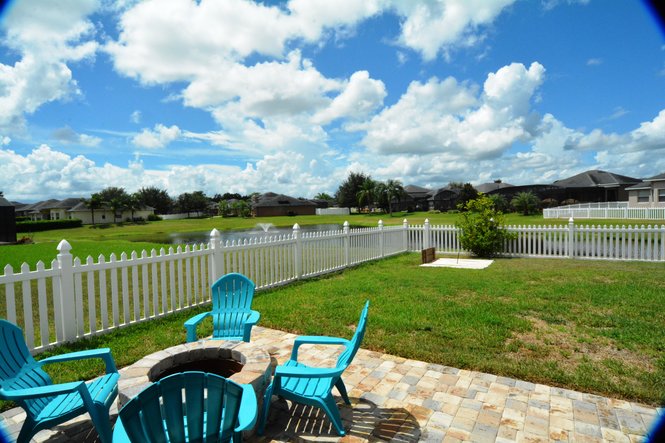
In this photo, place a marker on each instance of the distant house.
(486, 188)
(59, 210)
(271, 205)
(414, 199)
(443, 199)
(37, 211)
(104, 214)
(74, 208)
(648, 193)
(596, 186)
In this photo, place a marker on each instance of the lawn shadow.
(289, 421)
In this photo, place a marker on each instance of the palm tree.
(393, 190)
(367, 193)
(526, 202)
(133, 203)
(92, 203)
(117, 204)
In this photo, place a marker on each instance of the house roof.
(36, 207)
(596, 179)
(493, 186)
(640, 185)
(656, 178)
(272, 199)
(416, 191)
(67, 203)
(5, 202)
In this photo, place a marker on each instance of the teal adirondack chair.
(22, 380)
(212, 409)
(232, 314)
(313, 386)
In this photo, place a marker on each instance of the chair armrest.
(190, 325)
(292, 371)
(248, 410)
(315, 340)
(253, 318)
(103, 353)
(41, 391)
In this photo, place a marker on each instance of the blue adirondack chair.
(232, 314)
(23, 381)
(313, 386)
(212, 409)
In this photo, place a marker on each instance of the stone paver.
(402, 400)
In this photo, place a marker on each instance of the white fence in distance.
(332, 211)
(598, 211)
(74, 299)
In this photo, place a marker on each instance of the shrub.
(154, 217)
(47, 225)
(482, 228)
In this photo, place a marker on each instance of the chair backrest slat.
(232, 291)
(346, 357)
(180, 406)
(18, 369)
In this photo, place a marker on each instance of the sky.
(292, 96)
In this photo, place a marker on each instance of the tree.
(347, 193)
(156, 198)
(394, 191)
(500, 202)
(133, 204)
(117, 204)
(482, 228)
(324, 196)
(467, 193)
(112, 192)
(94, 202)
(192, 202)
(241, 208)
(367, 193)
(223, 208)
(526, 202)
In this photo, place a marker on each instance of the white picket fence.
(74, 299)
(608, 210)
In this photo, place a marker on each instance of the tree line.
(119, 200)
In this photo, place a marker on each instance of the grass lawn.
(593, 326)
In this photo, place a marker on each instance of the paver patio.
(397, 399)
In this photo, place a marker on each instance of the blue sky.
(239, 96)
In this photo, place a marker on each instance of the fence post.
(381, 234)
(347, 244)
(67, 320)
(571, 238)
(405, 235)
(298, 251)
(426, 235)
(217, 266)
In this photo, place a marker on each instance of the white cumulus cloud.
(47, 36)
(157, 138)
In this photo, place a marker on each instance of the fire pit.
(239, 361)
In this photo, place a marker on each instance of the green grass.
(593, 326)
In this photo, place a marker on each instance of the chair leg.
(342, 391)
(101, 420)
(27, 431)
(330, 407)
(266, 408)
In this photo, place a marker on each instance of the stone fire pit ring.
(256, 365)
